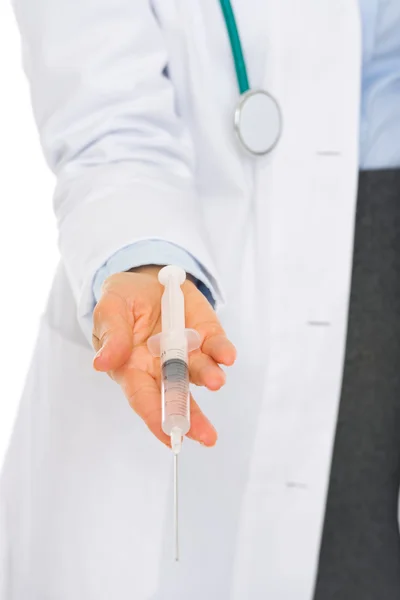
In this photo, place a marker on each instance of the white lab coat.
(86, 490)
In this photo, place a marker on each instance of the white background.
(28, 238)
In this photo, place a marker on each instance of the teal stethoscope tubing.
(236, 46)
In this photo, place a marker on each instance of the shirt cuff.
(154, 252)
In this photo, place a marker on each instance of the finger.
(201, 316)
(201, 429)
(218, 347)
(112, 332)
(144, 396)
(204, 371)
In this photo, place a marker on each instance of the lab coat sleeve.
(106, 114)
(154, 252)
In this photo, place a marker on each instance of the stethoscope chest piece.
(258, 122)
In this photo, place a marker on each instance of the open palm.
(127, 314)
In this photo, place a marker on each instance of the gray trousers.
(360, 551)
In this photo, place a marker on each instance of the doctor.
(135, 103)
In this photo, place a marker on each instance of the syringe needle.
(176, 507)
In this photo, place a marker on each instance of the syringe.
(173, 345)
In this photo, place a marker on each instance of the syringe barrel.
(175, 383)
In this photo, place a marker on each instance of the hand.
(127, 314)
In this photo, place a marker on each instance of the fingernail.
(208, 445)
(99, 353)
(96, 357)
(208, 440)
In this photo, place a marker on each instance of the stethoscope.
(258, 118)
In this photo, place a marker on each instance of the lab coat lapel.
(305, 196)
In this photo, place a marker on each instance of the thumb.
(112, 332)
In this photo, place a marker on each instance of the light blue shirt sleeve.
(154, 252)
(380, 103)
